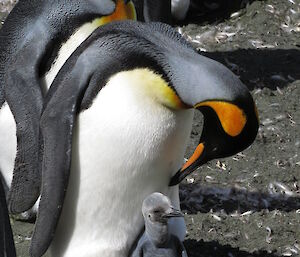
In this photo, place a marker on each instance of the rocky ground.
(248, 204)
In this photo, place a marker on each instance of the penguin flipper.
(138, 251)
(56, 125)
(7, 246)
(137, 247)
(24, 97)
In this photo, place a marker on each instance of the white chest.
(66, 50)
(8, 143)
(126, 146)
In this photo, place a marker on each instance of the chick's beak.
(173, 213)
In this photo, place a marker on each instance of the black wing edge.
(57, 123)
(24, 97)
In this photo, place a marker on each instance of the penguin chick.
(156, 240)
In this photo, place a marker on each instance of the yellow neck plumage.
(151, 84)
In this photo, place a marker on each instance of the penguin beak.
(173, 213)
(124, 10)
(228, 129)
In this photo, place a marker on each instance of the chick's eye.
(149, 215)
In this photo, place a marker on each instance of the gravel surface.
(249, 204)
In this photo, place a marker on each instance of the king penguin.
(115, 127)
(157, 241)
(36, 39)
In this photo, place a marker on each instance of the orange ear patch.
(194, 157)
(122, 12)
(232, 118)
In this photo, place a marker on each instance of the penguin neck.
(158, 233)
(66, 49)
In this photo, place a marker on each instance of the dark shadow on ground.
(212, 11)
(212, 249)
(197, 198)
(261, 68)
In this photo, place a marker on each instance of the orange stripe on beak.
(231, 117)
(122, 12)
(194, 157)
(227, 130)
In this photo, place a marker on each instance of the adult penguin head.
(230, 115)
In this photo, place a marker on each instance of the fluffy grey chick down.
(156, 240)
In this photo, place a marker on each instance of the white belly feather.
(126, 146)
(8, 143)
(67, 48)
